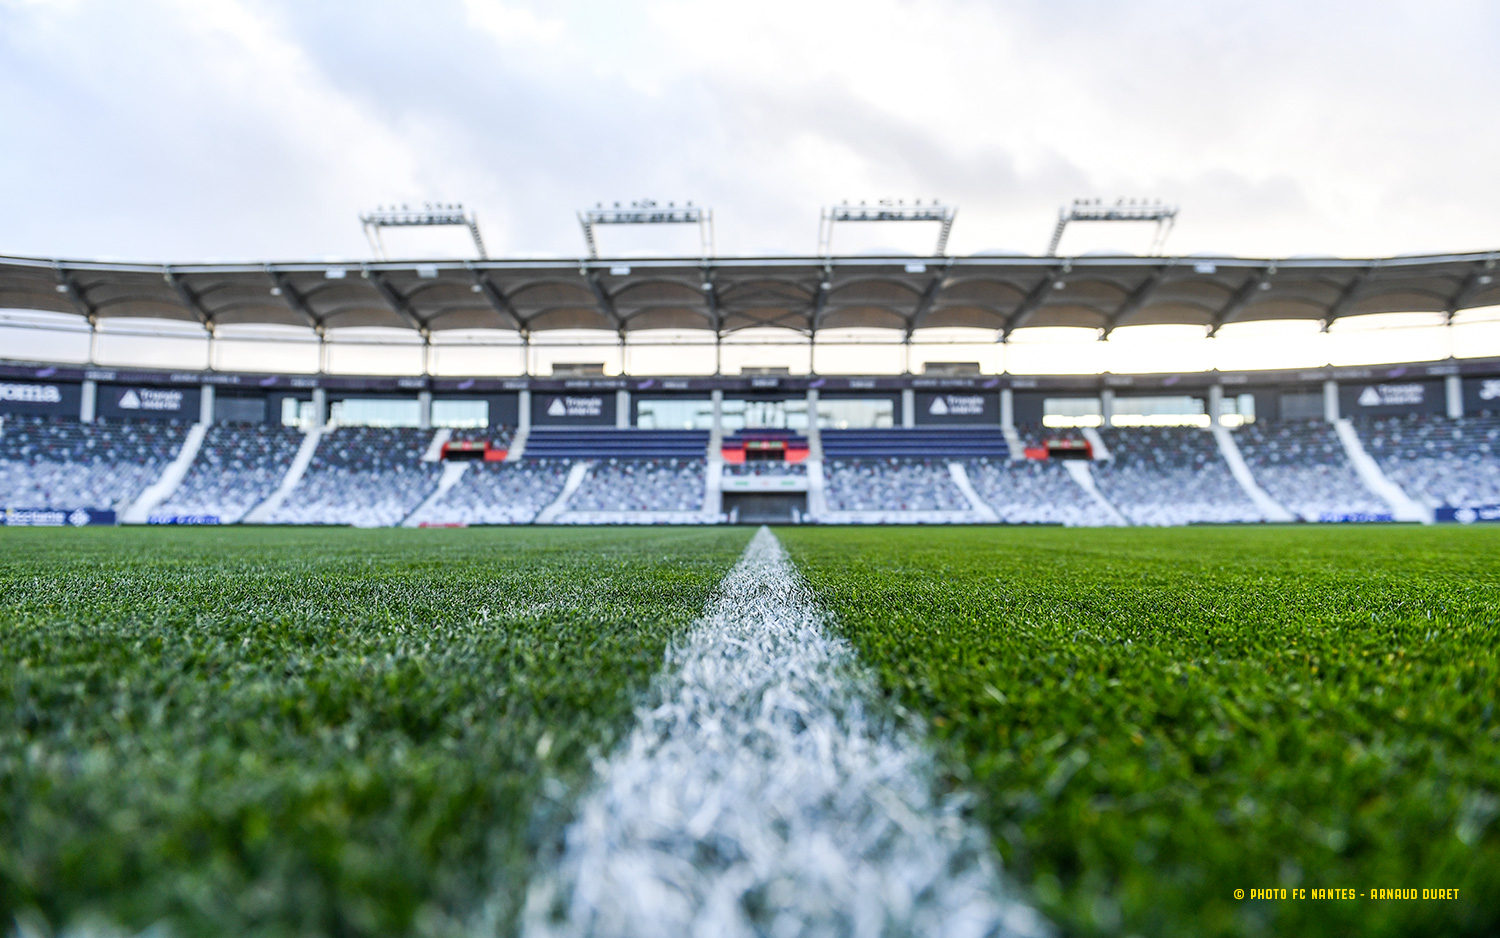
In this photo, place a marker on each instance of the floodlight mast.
(886, 210)
(1121, 210)
(647, 212)
(431, 214)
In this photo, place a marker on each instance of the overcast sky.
(259, 129)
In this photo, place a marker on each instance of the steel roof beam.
(820, 299)
(1478, 278)
(601, 295)
(498, 301)
(71, 287)
(711, 300)
(393, 298)
(1241, 298)
(189, 298)
(928, 298)
(283, 288)
(1134, 300)
(1351, 292)
(1034, 300)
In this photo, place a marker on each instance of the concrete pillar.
(717, 397)
(908, 408)
(622, 409)
(1454, 385)
(812, 407)
(1007, 408)
(206, 404)
(1331, 401)
(89, 401)
(1107, 407)
(1215, 404)
(424, 410)
(320, 407)
(524, 414)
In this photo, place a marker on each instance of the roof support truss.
(498, 301)
(1478, 278)
(74, 290)
(1034, 300)
(928, 298)
(601, 295)
(396, 301)
(283, 288)
(1134, 300)
(1241, 298)
(189, 299)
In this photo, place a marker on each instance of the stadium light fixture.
(648, 212)
(886, 210)
(431, 214)
(1136, 210)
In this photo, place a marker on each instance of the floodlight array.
(886, 210)
(1136, 210)
(431, 214)
(648, 212)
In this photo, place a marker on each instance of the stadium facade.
(1391, 442)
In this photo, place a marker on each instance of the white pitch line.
(759, 796)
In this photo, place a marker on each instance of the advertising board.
(55, 517)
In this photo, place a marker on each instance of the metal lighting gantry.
(647, 212)
(429, 215)
(1121, 210)
(886, 210)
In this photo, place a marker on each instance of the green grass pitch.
(304, 732)
(335, 732)
(1151, 719)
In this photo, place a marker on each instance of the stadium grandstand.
(953, 443)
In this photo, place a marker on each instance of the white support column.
(1215, 405)
(523, 422)
(814, 432)
(89, 401)
(908, 408)
(424, 410)
(1007, 408)
(1107, 407)
(206, 405)
(622, 410)
(1454, 385)
(1331, 401)
(320, 408)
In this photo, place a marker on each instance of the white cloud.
(511, 24)
(175, 129)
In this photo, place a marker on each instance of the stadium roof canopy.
(728, 294)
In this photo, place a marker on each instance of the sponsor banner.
(573, 409)
(1468, 514)
(1395, 397)
(1481, 394)
(56, 517)
(139, 403)
(183, 519)
(1355, 516)
(976, 407)
(25, 397)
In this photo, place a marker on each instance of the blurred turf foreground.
(1151, 719)
(315, 732)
